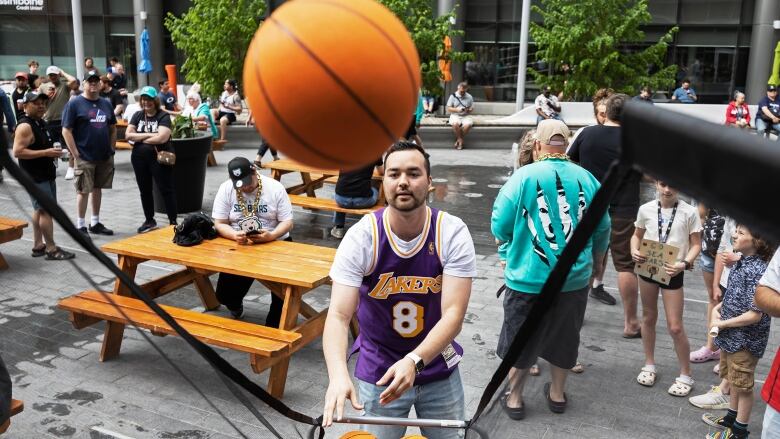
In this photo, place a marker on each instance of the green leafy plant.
(428, 32)
(183, 128)
(214, 36)
(585, 44)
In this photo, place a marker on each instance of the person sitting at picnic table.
(200, 112)
(229, 107)
(250, 208)
(354, 191)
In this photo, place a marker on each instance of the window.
(22, 37)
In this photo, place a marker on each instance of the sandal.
(646, 377)
(680, 388)
(38, 252)
(534, 370)
(704, 354)
(59, 254)
(578, 368)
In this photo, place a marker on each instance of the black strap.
(219, 364)
(662, 238)
(555, 281)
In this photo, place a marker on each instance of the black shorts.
(231, 117)
(675, 283)
(557, 339)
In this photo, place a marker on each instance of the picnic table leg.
(3, 263)
(211, 160)
(206, 292)
(112, 337)
(308, 184)
(292, 305)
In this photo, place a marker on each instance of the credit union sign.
(23, 5)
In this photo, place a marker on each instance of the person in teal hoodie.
(534, 216)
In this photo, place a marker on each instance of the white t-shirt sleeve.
(354, 255)
(694, 222)
(771, 276)
(283, 205)
(222, 202)
(458, 255)
(641, 218)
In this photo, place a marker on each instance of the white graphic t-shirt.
(274, 205)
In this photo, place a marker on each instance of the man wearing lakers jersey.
(406, 271)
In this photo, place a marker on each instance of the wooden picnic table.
(288, 269)
(312, 177)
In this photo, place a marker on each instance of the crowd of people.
(409, 267)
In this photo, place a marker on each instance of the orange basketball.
(357, 435)
(332, 83)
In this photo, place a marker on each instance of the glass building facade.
(711, 48)
(45, 34)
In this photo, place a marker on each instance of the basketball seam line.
(336, 78)
(287, 127)
(384, 34)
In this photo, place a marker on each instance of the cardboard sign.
(657, 254)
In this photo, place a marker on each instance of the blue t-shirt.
(90, 121)
(774, 107)
(168, 100)
(682, 95)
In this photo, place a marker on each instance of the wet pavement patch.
(54, 408)
(82, 396)
(62, 430)
(185, 434)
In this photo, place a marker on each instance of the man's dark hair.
(403, 145)
(647, 89)
(615, 105)
(113, 59)
(163, 81)
(685, 80)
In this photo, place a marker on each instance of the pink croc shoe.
(704, 354)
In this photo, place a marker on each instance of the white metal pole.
(522, 61)
(78, 37)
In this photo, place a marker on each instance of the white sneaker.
(712, 400)
(69, 174)
(337, 232)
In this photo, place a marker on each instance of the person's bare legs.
(628, 285)
(458, 134)
(558, 378)
(744, 405)
(463, 131)
(223, 123)
(97, 198)
(598, 270)
(46, 226)
(517, 378)
(81, 203)
(37, 235)
(649, 294)
(673, 307)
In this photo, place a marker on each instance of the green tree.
(428, 32)
(214, 36)
(590, 37)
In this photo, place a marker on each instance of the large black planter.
(189, 174)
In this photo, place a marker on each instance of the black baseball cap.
(240, 171)
(771, 87)
(32, 96)
(91, 74)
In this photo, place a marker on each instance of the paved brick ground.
(68, 393)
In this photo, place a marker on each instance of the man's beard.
(407, 207)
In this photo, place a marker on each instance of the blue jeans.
(438, 400)
(762, 125)
(339, 218)
(540, 118)
(771, 427)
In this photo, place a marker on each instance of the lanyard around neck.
(662, 238)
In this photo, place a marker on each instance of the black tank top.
(43, 168)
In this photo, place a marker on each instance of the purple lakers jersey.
(400, 302)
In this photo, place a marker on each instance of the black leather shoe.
(602, 296)
(100, 229)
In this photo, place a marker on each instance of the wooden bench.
(218, 145)
(260, 342)
(17, 407)
(328, 204)
(123, 144)
(10, 230)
